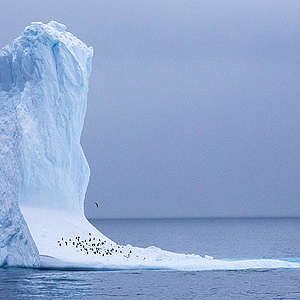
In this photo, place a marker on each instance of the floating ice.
(44, 174)
(43, 88)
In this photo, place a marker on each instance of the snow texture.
(44, 174)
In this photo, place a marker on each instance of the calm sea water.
(221, 238)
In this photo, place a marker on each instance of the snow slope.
(44, 83)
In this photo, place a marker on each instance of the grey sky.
(193, 107)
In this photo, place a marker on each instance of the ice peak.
(51, 33)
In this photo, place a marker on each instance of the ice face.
(49, 74)
(51, 114)
(16, 245)
(43, 89)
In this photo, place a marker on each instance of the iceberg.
(44, 174)
(43, 90)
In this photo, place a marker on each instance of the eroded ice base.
(49, 227)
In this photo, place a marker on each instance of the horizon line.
(191, 218)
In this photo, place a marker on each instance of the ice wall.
(16, 245)
(48, 68)
(43, 88)
(54, 67)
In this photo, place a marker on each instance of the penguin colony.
(94, 246)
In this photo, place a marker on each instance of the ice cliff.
(43, 96)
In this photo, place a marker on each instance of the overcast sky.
(193, 108)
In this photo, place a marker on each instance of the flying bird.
(97, 204)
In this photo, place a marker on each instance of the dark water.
(221, 238)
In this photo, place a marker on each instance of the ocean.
(220, 238)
